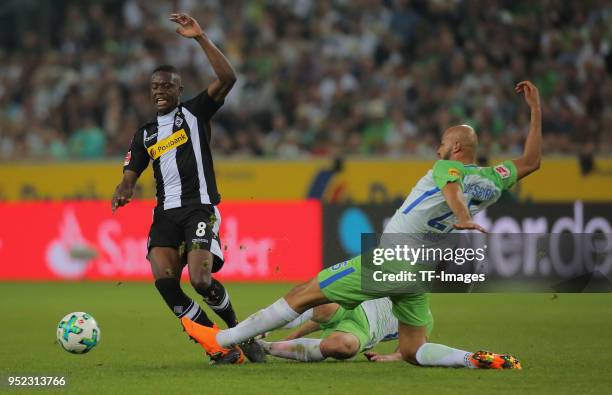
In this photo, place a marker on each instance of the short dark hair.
(168, 68)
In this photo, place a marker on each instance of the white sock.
(274, 316)
(432, 354)
(304, 349)
(305, 316)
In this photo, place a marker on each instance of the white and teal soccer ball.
(78, 333)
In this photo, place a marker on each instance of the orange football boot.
(489, 360)
(205, 336)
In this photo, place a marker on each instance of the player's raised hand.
(469, 225)
(530, 91)
(122, 196)
(189, 27)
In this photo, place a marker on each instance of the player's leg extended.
(341, 284)
(334, 343)
(295, 346)
(200, 264)
(166, 268)
(322, 313)
(274, 316)
(200, 226)
(416, 350)
(338, 345)
(281, 312)
(204, 256)
(415, 323)
(164, 240)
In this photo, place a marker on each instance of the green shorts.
(341, 283)
(353, 321)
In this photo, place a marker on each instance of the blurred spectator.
(316, 78)
(88, 141)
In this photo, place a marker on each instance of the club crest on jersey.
(454, 172)
(128, 158)
(502, 170)
(178, 122)
(166, 145)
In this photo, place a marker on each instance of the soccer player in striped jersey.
(178, 144)
(445, 199)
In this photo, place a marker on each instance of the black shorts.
(188, 228)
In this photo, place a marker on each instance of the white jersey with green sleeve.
(382, 322)
(425, 209)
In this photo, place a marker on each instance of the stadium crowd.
(315, 78)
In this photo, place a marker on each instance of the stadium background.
(338, 102)
(336, 113)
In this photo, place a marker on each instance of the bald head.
(463, 134)
(459, 143)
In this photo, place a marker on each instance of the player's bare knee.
(340, 346)
(163, 265)
(161, 274)
(202, 282)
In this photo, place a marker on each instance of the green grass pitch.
(564, 342)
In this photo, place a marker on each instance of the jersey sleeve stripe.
(418, 200)
(336, 277)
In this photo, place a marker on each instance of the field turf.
(564, 342)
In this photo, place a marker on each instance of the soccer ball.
(78, 333)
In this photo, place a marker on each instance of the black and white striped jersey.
(178, 143)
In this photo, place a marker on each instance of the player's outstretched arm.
(226, 77)
(532, 154)
(125, 190)
(454, 198)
